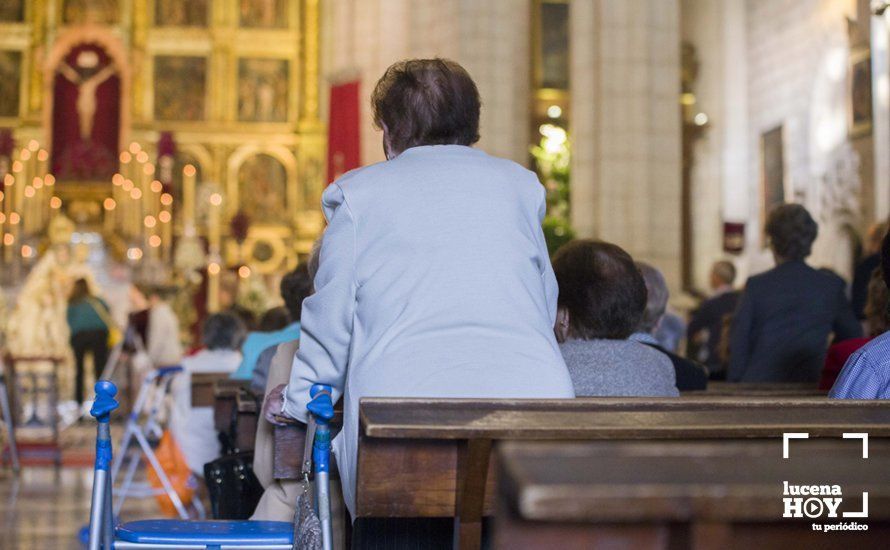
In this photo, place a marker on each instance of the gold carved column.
(311, 149)
(309, 61)
(138, 53)
(38, 53)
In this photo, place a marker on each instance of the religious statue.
(86, 94)
(38, 325)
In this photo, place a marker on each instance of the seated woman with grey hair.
(601, 301)
(690, 375)
(193, 427)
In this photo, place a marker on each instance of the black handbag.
(233, 488)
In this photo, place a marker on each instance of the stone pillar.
(496, 50)
(491, 39)
(626, 181)
(584, 51)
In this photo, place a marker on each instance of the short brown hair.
(601, 288)
(427, 102)
(792, 231)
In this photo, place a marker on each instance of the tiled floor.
(44, 508)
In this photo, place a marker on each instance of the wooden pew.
(203, 387)
(742, 389)
(225, 392)
(235, 414)
(699, 495)
(430, 457)
(247, 411)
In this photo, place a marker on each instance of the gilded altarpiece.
(235, 81)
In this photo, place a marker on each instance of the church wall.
(797, 56)
(770, 63)
(362, 38)
(625, 125)
(719, 175)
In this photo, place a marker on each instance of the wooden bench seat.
(699, 495)
(431, 457)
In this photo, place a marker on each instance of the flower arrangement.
(552, 158)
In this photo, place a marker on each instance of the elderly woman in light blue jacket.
(434, 278)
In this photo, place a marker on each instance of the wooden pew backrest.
(410, 450)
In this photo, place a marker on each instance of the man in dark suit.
(706, 326)
(690, 375)
(781, 327)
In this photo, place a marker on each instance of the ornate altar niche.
(234, 81)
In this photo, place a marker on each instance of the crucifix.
(86, 94)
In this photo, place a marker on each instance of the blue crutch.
(206, 535)
(321, 411)
(101, 522)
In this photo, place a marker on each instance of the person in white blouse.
(193, 427)
(434, 279)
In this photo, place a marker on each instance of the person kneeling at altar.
(192, 427)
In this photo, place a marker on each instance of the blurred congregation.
(489, 201)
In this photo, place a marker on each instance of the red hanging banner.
(344, 134)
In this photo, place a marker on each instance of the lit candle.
(15, 218)
(135, 212)
(125, 203)
(42, 162)
(166, 219)
(188, 196)
(213, 240)
(115, 214)
(110, 206)
(144, 182)
(49, 183)
(9, 190)
(213, 229)
(213, 269)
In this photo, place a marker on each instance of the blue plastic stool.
(165, 534)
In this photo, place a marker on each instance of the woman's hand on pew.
(273, 406)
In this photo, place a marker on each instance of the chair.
(12, 374)
(6, 413)
(162, 534)
(143, 424)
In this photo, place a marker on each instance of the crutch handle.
(321, 406)
(105, 402)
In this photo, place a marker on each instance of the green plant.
(553, 161)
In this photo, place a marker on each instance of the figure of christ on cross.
(86, 94)
(86, 114)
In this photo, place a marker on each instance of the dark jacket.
(709, 316)
(691, 376)
(861, 277)
(781, 327)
